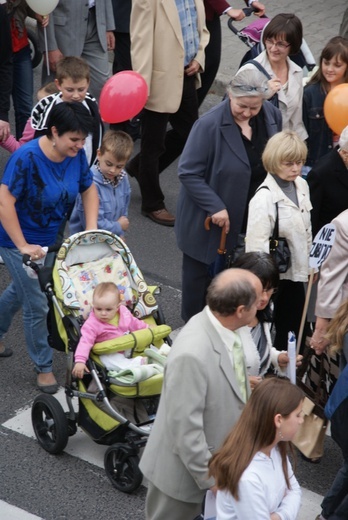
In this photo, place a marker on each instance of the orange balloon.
(336, 108)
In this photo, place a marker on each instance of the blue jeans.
(335, 504)
(23, 88)
(26, 292)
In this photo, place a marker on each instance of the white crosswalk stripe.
(9, 512)
(82, 447)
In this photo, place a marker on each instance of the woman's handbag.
(309, 439)
(279, 248)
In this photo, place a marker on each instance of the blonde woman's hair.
(254, 431)
(118, 143)
(338, 328)
(282, 147)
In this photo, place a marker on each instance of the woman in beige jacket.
(282, 37)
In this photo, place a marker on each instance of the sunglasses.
(249, 88)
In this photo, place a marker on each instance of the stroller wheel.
(122, 468)
(49, 423)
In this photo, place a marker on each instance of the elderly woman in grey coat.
(219, 171)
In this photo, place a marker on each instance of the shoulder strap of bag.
(275, 233)
(274, 99)
(260, 67)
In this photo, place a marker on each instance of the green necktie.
(239, 365)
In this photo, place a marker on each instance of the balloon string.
(46, 52)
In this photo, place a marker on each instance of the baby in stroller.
(108, 319)
(115, 407)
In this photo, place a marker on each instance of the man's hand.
(260, 8)
(192, 68)
(236, 14)
(4, 130)
(110, 40)
(53, 58)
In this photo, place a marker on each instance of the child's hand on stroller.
(124, 223)
(79, 370)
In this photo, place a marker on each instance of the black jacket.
(328, 185)
(320, 136)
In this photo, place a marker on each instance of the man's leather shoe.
(160, 216)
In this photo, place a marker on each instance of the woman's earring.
(54, 144)
(280, 435)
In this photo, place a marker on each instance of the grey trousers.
(96, 57)
(160, 506)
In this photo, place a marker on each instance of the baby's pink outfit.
(95, 331)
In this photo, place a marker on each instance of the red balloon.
(123, 96)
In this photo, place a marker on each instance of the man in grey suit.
(205, 389)
(83, 29)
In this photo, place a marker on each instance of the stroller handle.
(26, 259)
(247, 11)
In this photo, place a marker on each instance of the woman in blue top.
(40, 183)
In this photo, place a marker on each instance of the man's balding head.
(231, 289)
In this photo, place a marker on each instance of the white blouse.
(262, 491)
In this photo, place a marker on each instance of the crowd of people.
(261, 160)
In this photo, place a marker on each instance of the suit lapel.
(171, 12)
(226, 365)
(231, 134)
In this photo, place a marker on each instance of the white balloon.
(42, 7)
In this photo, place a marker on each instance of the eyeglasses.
(278, 45)
(249, 88)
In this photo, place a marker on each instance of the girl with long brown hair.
(332, 71)
(252, 471)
